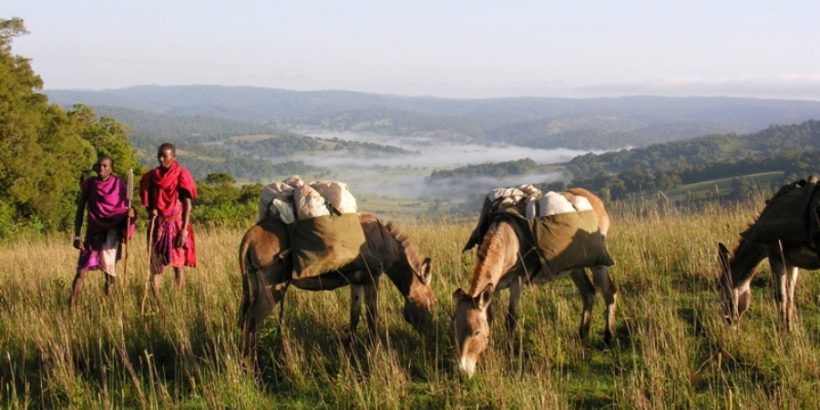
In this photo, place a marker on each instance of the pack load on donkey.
(562, 227)
(323, 223)
(791, 216)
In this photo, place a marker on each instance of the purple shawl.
(107, 204)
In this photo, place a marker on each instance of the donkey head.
(471, 327)
(736, 297)
(419, 303)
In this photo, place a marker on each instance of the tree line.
(45, 150)
(790, 149)
(489, 169)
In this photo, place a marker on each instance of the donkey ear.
(427, 271)
(458, 295)
(485, 297)
(722, 248)
(723, 254)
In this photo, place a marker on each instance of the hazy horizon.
(454, 50)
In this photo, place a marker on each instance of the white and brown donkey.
(506, 260)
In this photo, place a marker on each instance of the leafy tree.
(41, 155)
(220, 202)
(220, 178)
(107, 136)
(44, 151)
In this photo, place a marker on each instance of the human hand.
(182, 238)
(78, 244)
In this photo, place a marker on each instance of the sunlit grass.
(671, 350)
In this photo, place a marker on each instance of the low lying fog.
(405, 176)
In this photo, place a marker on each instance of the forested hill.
(598, 123)
(708, 149)
(155, 126)
(791, 151)
(243, 149)
(497, 170)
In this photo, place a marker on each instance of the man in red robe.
(167, 192)
(109, 214)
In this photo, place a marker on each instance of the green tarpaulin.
(563, 241)
(569, 241)
(324, 244)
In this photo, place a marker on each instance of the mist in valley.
(406, 177)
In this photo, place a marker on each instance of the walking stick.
(129, 195)
(150, 262)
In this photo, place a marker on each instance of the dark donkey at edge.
(266, 275)
(506, 260)
(792, 243)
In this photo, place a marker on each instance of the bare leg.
(603, 281)
(587, 291)
(77, 286)
(109, 283)
(156, 285)
(179, 278)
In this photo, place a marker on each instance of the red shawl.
(160, 188)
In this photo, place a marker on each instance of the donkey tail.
(247, 285)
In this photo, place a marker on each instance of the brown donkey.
(507, 261)
(266, 276)
(738, 270)
(787, 231)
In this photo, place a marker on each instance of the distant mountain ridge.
(595, 123)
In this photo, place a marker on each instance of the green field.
(672, 349)
(715, 187)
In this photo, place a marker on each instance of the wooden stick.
(129, 194)
(150, 269)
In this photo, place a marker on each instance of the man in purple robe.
(109, 218)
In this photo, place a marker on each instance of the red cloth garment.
(164, 251)
(161, 189)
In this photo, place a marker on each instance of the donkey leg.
(587, 291)
(356, 296)
(603, 281)
(780, 289)
(791, 307)
(779, 274)
(371, 297)
(263, 306)
(512, 312)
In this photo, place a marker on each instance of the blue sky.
(470, 49)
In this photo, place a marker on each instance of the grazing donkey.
(786, 232)
(505, 259)
(266, 275)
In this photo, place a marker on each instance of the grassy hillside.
(672, 348)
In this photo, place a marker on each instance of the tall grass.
(671, 350)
